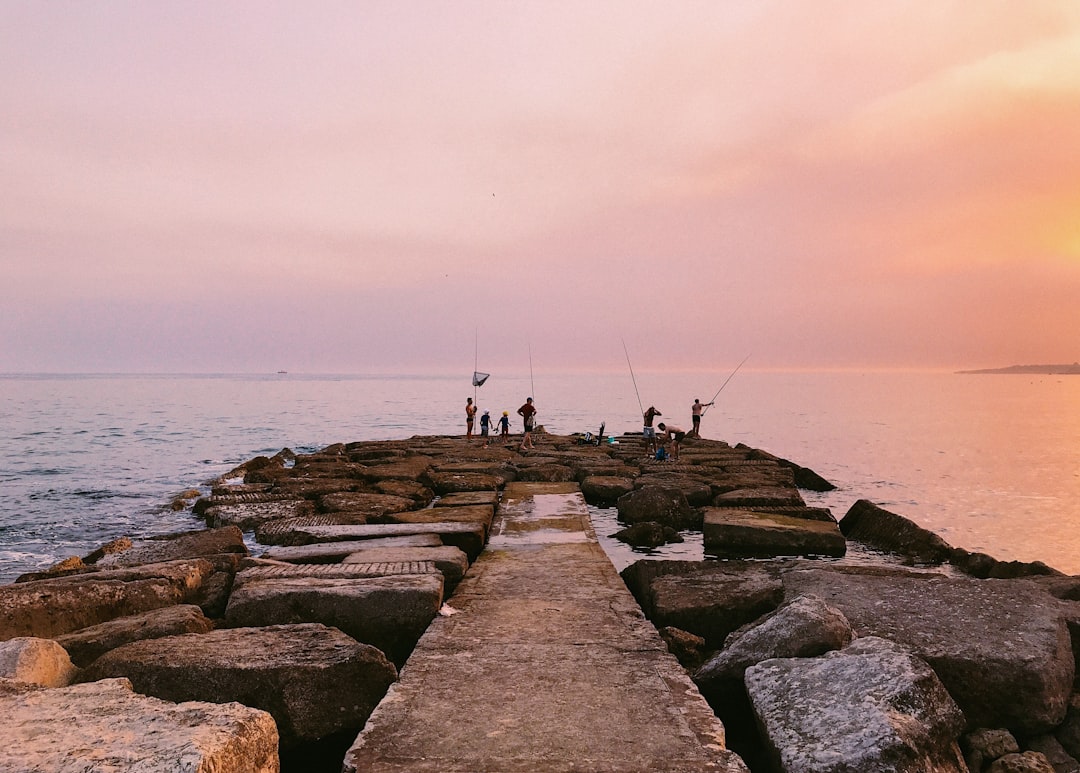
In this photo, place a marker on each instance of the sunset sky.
(402, 186)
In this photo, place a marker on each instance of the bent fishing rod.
(721, 389)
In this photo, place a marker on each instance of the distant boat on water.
(282, 372)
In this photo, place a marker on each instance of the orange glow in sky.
(375, 187)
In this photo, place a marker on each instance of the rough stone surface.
(463, 498)
(1068, 732)
(36, 661)
(1025, 762)
(984, 745)
(49, 608)
(193, 544)
(248, 516)
(468, 537)
(605, 489)
(647, 534)
(1001, 647)
(453, 482)
(1049, 746)
(476, 514)
(366, 504)
(710, 602)
(802, 628)
(312, 679)
(667, 506)
(105, 727)
(389, 613)
(334, 552)
(879, 528)
(871, 707)
(751, 498)
(734, 533)
(86, 645)
(449, 560)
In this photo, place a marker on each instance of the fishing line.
(632, 378)
(721, 389)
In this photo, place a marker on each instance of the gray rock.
(871, 707)
(49, 608)
(734, 533)
(248, 516)
(312, 679)
(104, 726)
(802, 628)
(390, 613)
(86, 645)
(1001, 647)
(1068, 732)
(36, 661)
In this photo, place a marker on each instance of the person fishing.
(695, 417)
(648, 432)
(470, 415)
(528, 414)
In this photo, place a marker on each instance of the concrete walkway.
(547, 665)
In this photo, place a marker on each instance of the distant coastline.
(1042, 370)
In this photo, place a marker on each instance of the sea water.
(990, 462)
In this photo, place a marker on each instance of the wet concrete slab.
(542, 661)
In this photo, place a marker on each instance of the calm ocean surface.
(991, 463)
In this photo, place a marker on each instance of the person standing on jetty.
(648, 432)
(485, 426)
(675, 435)
(504, 427)
(528, 414)
(470, 415)
(695, 416)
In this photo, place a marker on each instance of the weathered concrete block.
(734, 533)
(364, 503)
(749, 498)
(605, 489)
(390, 612)
(476, 514)
(1001, 647)
(667, 506)
(36, 661)
(248, 516)
(49, 608)
(872, 706)
(104, 726)
(312, 679)
(710, 601)
(449, 560)
(462, 498)
(452, 482)
(468, 537)
(171, 547)
(334, 552)
(86, 645)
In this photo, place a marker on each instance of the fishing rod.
(532, 386)
(721, 389)
(632, 378)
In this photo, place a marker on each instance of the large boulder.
(1001, 647)
(734, 533)
(468, 537)
(86, 645)
(334, 552)
(667, 506)
(390, 613)
(49, 608)
(879, 528)
(250, 515)
(36, 661)
(802, 628)
(870, 707)
(314, 680)
(104, 726)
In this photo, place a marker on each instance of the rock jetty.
(266, 637)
